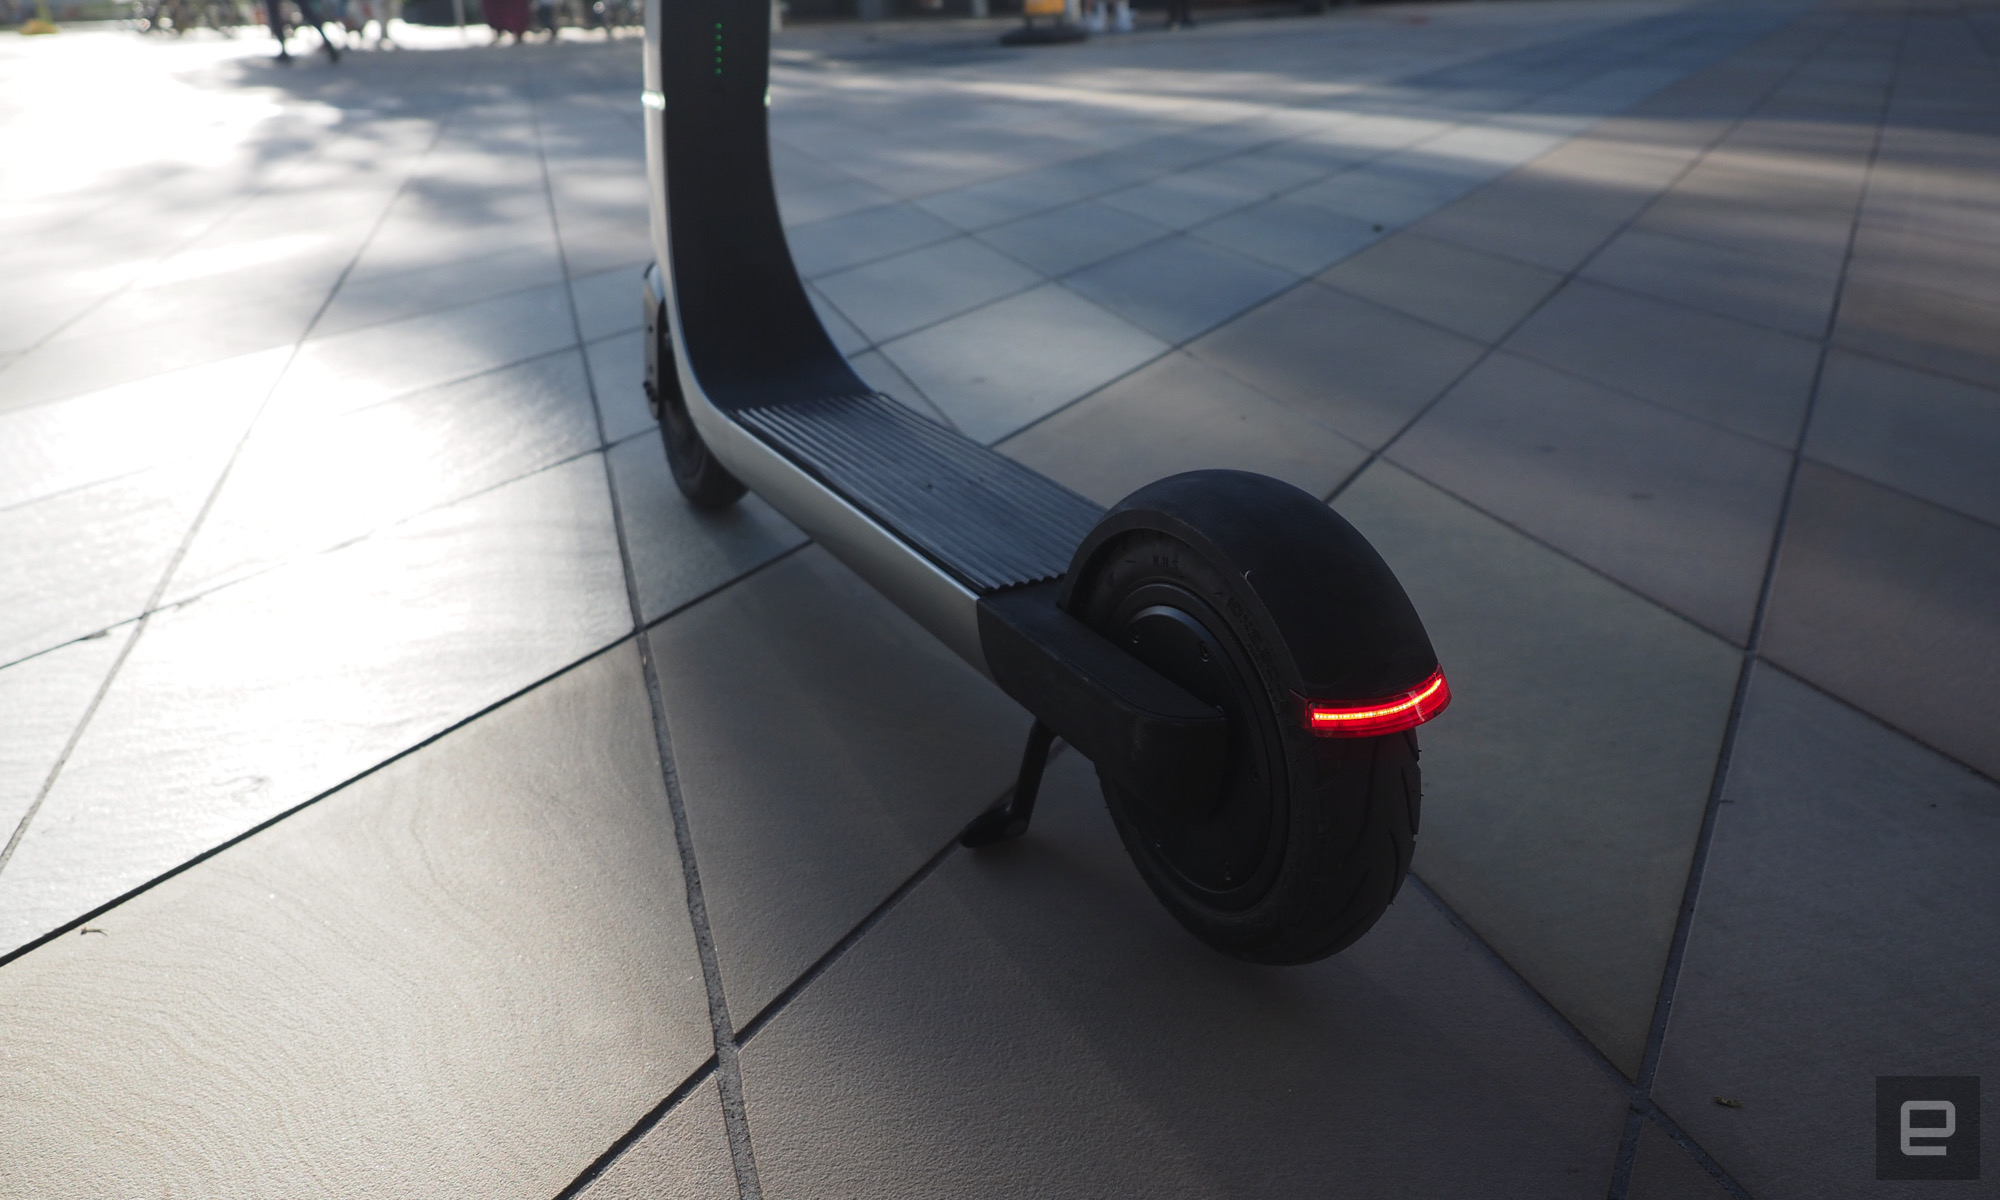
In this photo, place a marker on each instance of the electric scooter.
(1239, 664)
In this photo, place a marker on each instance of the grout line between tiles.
(640, 1128)
(290, 560)
(300, 164)
(839, 949)
(1548, 1009)
(1568, 276)
(194, 527)
(265, 568)
(1647, 1110)
(1567, 556)
(1473, 119)
(1316, 277)
(853, 936)
(1697, 867)
(728, 1073)
(455, 725)
(388, 527)
(202, 857)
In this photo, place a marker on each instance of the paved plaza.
(406, 794)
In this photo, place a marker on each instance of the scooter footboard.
(987, 519)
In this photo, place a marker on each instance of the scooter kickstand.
(1009, 818)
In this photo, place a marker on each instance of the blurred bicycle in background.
(611, 16)
(179, 16)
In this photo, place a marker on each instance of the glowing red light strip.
(1387, 715)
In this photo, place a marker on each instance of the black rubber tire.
(702, 478)
(1313, 837)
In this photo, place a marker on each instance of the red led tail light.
(1372, 718)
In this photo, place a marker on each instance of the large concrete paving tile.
(1072, 237)
(679, 553)
(1924, 197)
(805, 205)
(83, 560)
(181, 417)
(1357, 367)
(684, 1157)
(1388, 194)
(1483, 152)
(1193, 140)
(1290, 234)
(1887, 602)
(1677, 509)
(838, 243)
(1030, 1022)
(1761, 289)
(1845, 930)
(1023, 194)
(1183, 200)
(466, 974)
(882, 375)
(1814, 170)
(1935, 438)
(353, 370)
(1565, 786)
(493, 250)
(891, 297)
(1001, 367)
(385, 296)
(1180, 414)
(1911, 258)
(609, 301)
(827, 747)
(1466, 291)
(618, 380)
(302, 486)
(257, 697)
(1740, 376)
(1634, 153)
(846, 338)
(1616, 89)
(1926, 329)
(41, 702)
(57, 370)
(1180, 287)
(1273, 169)
(1547, 217)
(273, 303)
(30, 320)
(1663, 1170)
(602, 218)
(1827, 154)
(1810, 231)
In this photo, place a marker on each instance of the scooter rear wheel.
(1312, 836)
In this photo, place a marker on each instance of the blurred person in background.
(357, 14)
(274, 11)
(508, 16)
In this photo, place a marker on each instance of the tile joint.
(727, 1072)
(1643, 1105)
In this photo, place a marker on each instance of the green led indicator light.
(718, 47)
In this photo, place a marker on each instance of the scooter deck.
(991, 522)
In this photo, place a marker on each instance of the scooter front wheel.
(1311, 837)
(702, 478)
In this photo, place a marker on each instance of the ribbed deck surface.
(984, 517)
